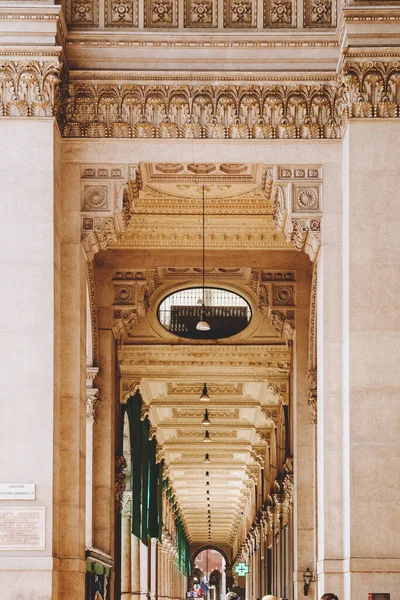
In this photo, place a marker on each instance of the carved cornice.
(277, 300)
(183, 362)
(281, 108)
(240, 40)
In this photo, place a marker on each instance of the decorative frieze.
(275, 110)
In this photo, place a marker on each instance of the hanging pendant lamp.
(207, 458)
(206, 420)
(204, 395)
(202, 325)
(207, 437)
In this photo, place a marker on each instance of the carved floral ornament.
(30, 88)
(273, 110)
(164, 14)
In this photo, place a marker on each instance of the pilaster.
(371, 381)
(30, 334)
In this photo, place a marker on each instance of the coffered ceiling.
(247, 385)
(247, 375)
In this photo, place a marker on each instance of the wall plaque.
(22, 528)
(378, 596)
(17, 491)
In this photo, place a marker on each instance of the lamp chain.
(204, 244)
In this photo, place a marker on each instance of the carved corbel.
(128, 388)
(92, 393)
(297, 212)
(120, 481)
(126, 504)
(152, 433)
(92, 399)
(276, 301)
(132, 300)
(280, 389)
(106, 212)
(252, 473)
(264, 435)
(258, 456)
(288, 489)
(144, 412)
(313, 395)
(160, 453)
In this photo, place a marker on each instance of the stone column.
(329, 412)
(126, 535)
(303, 509)
(371, 380)
(104, 446)
(144, 571)
(72, 414)
(92, 399)
(153, 567)
(223, 583)
(135, 567)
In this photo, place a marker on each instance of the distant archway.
(211, 562)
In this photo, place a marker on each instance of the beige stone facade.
(115, 115)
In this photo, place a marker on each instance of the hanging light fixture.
(202, 325)
(207, 459)
(204, 395)
(207, 474)
(207, 437)
(206, 420)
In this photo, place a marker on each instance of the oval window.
(226, 312)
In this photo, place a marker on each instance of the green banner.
(133, 408)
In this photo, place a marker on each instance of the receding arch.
(201, 549)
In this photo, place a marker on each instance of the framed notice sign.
(17, 491)
(22, 528)
(378, 596)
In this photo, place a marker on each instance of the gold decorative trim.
(205, 111)
(30, 88)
